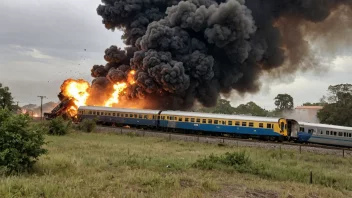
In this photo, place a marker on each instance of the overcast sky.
(42, 43)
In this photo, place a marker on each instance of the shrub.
(59, 126)
(87, 125)
(239, 161)
(20, 143)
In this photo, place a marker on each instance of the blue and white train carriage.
(325, 134)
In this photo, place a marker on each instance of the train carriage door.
(292, 128)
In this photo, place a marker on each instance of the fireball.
(114, 99)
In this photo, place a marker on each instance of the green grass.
(107, 165)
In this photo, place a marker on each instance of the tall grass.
(106, 165)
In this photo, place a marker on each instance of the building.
(305, 114)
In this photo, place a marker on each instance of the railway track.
(314, 148)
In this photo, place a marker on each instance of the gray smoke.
(190, 50)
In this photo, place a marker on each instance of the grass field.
(107, 165)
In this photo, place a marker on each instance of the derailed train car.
(220, 124)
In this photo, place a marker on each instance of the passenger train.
(274, 129)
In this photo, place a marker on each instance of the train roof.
(98, 108)
(325, 126)
(220, 116)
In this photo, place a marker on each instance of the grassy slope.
(103, 165)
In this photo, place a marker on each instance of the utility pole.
(41, 106)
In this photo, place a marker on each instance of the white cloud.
(343, 64)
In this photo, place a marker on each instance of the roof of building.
(309, 107)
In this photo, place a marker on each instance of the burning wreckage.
(182, 51)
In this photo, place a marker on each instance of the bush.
(239, 161)
(87, 125)
(59, 126)
(20, 143)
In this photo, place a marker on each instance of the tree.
(223, 106)
(252, 109)
(338, 110)
(6, 100)
(334, 90)
(283, 102)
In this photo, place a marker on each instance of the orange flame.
(114, 99)
(130, 77)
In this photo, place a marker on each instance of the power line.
(41, 106)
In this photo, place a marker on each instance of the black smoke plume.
(190, 50)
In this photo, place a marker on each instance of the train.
(264, 128)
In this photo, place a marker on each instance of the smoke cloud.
(193, 50)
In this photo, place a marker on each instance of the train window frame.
(145, 117)
(223, 122)
(321, 132)
(172, 118)
(350, 134)
(344, 134)
(186, 119)
(244, 124)
(140, 116)
(261, 125)
(216, 121)
(193, 119)
(210, 121)
(268, 125)
(98, 113)
(237, 123)
(163, 117)
(114, 114)
(335, 133)
(340, 133)
(251, 124)
(90, 113)
(327, 133)
(204, 121)
(198, 120)
(180, 119)
(167, 117)
(229, 122)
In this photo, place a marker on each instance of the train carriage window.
(350, 135)
(114, 114)
(98, 113)
(230, 123)
(210, 121)
(171, 117)
(117, 114)
(216, 122)
(90, 113)
(335, 133)
(140, 116)
(204, 121)
(224, 122)
(146, 117)
(198, 120)
(163, 117)
(261, 125)
(340, 133)
(327, 132)
(186, 119)
(321, 131)
(167, 117)
(180, 119)
(244, 123)
(192, 119)
(126, 115)
(237, 123)
(251, 124)
(345, 134)
(310, 131)
(268, 126)
(272, 126)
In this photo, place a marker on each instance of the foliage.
(283, 102)
(338, 113)
(239, 161)
(6, 100)
(313, 104)
(334, 91)
(252, 109)
(20, 143)
(223, 106)
(59, 126)
(87, 125)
